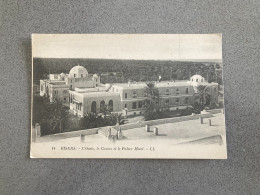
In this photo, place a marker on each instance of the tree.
(201, 98)
(152, 101)
(117, 118)
(52, 117)
(58, 116)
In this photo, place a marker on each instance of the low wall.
(74, 133)
(165, 120)
(215, 111)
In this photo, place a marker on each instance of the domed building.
(197, 78)
(78, 72)
(57, 87)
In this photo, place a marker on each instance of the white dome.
(197, 78)
(78, 72)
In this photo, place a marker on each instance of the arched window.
(93, 107)
(110, 105)
(102, 106)
(125, 95)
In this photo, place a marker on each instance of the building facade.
(174, 95)
(85, 94)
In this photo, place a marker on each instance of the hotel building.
(86, 94)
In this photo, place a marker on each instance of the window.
(134, 94)
(134, 105)
(187, 90)
(186, 100)
(167, 102)
(125, 105)
(93, 107)
(81, 75)
(74, 75)
(167, 92)
(140, 104)
(177, 100)
(125, 95)
(55, 76)
(110, 105)
(70, 87)
(64, 91)
(65, 99)
(102, 106)
(177, 91)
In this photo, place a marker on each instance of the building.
(174, 95)
(85, 94)
(57, 87)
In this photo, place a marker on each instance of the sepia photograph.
(146, 96)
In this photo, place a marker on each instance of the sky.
(128, 46)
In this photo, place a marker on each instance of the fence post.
(119, 134)
(147, 127)
(201, 120)
(155, 130)
(109, 133)
(82, 138)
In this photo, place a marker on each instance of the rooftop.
(96, 94)
(140, 85)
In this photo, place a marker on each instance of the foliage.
(52, 117)
(151, 102)
(92, 120)
(137, 70)
(202, 99)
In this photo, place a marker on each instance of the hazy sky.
(128, 46)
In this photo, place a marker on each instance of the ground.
(180, 140)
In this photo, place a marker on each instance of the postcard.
(127, 96)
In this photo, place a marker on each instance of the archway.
(110, 105)
(93, 107)
(102, 106)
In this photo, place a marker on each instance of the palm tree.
(202, 97)
(152, 101)
(58, 115)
